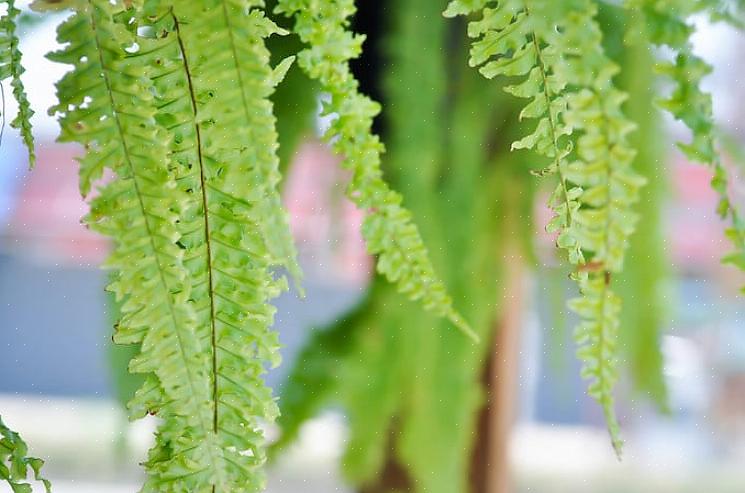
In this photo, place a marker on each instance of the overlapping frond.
(11, 68)
(106, 104)
(388, 228)
(557, 51)
(15, 462)
(667, 23)
(196, 216)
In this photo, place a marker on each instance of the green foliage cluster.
(173, 99)
(15, 463)
(450, 169)
(177, 103)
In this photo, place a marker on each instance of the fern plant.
(197, 220)
(174, 104)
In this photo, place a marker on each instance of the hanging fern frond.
(667, 23)
(15, 462)
(557, 49)
(232, 233)
(106, 104)
(196, 216)
(11, 68)
(388, 228)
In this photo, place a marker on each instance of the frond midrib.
(143, 209)
(208, 241)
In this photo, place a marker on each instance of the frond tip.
(596, 338)
(388, 229)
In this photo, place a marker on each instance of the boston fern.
(557, 47)
(172, 102)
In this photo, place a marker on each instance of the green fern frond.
(645, 279)
(557, 51)
(196, 216)
(388, 228)
(223, 155)
(667, 23)
(10, 67)
(15, 463)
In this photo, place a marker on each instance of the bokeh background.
(62, 388)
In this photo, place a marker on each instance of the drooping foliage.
(388, 228)
(174, 100)
(15, 462)
(583, 131)
(176, 105)
(207, 223)
(423, 381)
(669, 24)
(644, 282)
(11, 68)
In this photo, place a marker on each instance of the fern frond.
(223, 157)
(643, 283)
(667, 24)
(557, 50)
(10, 67)
(250, 57)
(388, 228)
(106, 104)
(15, 463)
(197, 219)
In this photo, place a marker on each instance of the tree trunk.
(490, 467)
(394, 476)
(490, 464)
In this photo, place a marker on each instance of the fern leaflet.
(15, 463)
(10, 67)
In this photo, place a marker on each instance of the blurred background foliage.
(412, 390)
